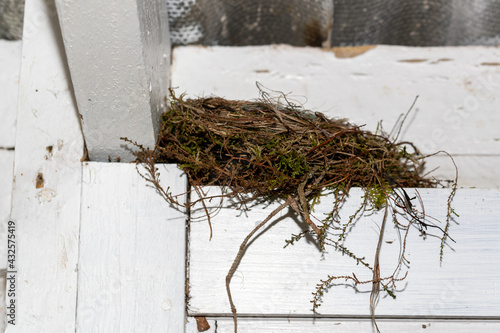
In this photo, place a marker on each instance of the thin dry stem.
(271, 149)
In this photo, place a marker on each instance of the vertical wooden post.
(119, 56)
(10, 63)
(132, 252)
(46, 194)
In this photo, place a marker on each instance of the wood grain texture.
(6, 169)
(49, 146)
(10, 67)
(132, 252)
(271, 280)
(326, 326)
(6, 173)
(457, 109)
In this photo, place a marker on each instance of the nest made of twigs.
(269, 147)
(274, 149)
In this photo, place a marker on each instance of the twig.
(376, 272)
(237, 260)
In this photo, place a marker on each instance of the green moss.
(377, 195)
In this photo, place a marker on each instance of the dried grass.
(273, 149)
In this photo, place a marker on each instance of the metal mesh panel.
(244, 22)
(476, 22)
(317, 22)
(419, 23)
(335, 22)
(416, 22)
(11, 19)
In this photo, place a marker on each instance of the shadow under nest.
(272, 149)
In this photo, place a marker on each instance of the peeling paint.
(202, 324)
(39, 182)
(441, 60)
(490, 64)
(413, 61)
(45, 196)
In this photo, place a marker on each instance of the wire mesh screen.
(245, 22)
(11, 19)
(416, 22)
(335, 22)
(316, 22)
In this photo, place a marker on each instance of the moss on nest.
(268, 148)
(273, 149)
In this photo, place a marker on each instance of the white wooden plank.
(3, 282)
(272, 280)
(323, 326)
(6, 173)
(132, 252)
(456, 110)
(46, 194)
(120, 70)
(6, 169)
(474, 171)
(10, 66)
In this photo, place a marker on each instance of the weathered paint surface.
(48, 143)
(457, 109)
(119, 57)
(50, 147)
(272, 280)
(10, 66)
(132, 252)
(286, 325)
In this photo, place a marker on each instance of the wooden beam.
(46, 195)
(119, 56)
(132, 251)
(6, 170)
(276, 281)
(6, 173)
(10, 67)
(299, 325)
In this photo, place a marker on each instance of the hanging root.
(275, 150)
(237, 260)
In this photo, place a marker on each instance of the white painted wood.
(6, 169)
(458, 89)
(10, 66)
(474, 171)
(271, 280)
(2, 302)
(327, 326)
(132, 252)
(47, 217)
(191, 326)
(119, 57)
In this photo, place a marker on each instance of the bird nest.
(274, 149)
